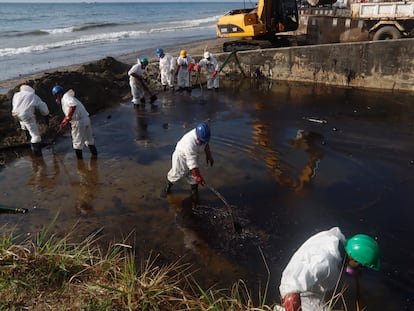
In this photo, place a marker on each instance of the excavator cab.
(265, 21)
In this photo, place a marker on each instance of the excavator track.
(255, 44)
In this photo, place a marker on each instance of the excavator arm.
(264, 22)
(268, 18)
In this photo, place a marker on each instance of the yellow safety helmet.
(183, 53)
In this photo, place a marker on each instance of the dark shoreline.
(195, 48)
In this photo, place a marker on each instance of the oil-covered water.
(289, 161)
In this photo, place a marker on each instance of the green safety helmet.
(364, 249)
(144, 61)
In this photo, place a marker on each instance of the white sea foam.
(99, 38)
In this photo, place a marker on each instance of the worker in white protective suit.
(167, 68)
(212, 67)
(316, 266)
(185, 159)
(24, 104)
(185, 64)
(76, 114)
(138, 84)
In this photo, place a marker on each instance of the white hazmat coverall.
(137, 90)
(314, 269)
(183, 77)
(80, 122)
(24, 104)
(211, 67)
(167, 67)
(185, 158)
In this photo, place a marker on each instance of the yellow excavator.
(263, 23)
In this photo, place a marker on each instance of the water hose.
(14, 210)
(237, 61)
(236, 225)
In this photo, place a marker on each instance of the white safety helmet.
(207, 54)
(26, 88)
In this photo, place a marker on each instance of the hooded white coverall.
(24, 104)
(211, 66)
(183, 77)
(137, 90)
(185, 158)
(167, 69)
(314, 269)
(80, 122)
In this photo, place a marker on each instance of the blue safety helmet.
(159, 51)
(57, 89)
(203, 132)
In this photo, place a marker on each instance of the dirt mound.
(98, 85)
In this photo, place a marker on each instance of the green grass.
(50, 273)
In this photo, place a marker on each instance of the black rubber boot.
(79, 155)
(194, 193)
(37, 149)
(166, 190)
(93, 151)
(153, 98)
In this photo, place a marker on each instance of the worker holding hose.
(185, 159)
(316, 267)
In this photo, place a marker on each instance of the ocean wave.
(12, 34)
(55, 31)
(94, 25)
(82, 27)
(109, 37)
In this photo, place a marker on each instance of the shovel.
(236, 225)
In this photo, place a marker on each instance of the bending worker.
(185, 159)
(138, 84)
(185, 63)
(316, 267)
(24, 104)
(167, 68)
(212, 67)
(76, 114)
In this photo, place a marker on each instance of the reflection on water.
(43, 176)
(285, 174)
(88, 186)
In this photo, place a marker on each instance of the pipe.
(15, 210)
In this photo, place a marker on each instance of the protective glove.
(197, 68)
(197, 176)
(172, 71)
(190, 67)
(64, 122)
(177, 69)
(215, 72)
(291, 302)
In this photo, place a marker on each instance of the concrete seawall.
(385, 65)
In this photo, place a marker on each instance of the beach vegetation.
(47, 272)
